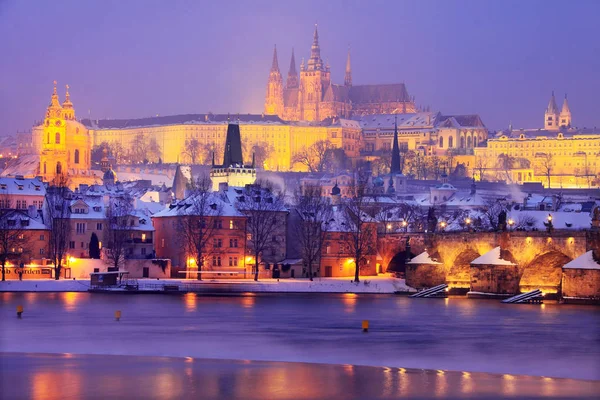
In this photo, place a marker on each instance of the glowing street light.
(443, 224)
(511, 222)
(389, 227)
(549, 217)
(468, 221)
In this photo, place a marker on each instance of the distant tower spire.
(315, 63)
(275, 64)
(565, 114)
(274, 96)
(348, 77)
(395, 167)
(292, 78)
(551, 116)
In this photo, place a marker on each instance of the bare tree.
(315, 156)
(265, 214)
(480, 166)
(199, 222)
(506, 163)
(362, 234)
(492, 211)
(546, 166)
(261, 151)
(525, 221)
(337, 160)
(11, 232)
(450, 156)
(117, 151)
(207, 151)
(381, 165)
(58, 214)
(192, 149)
(119, 226)
(315, 213)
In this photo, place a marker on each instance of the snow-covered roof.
(584, 261)
(406, 121)
(492, 257)
(423, 258)
(25, 165)
(22, 186)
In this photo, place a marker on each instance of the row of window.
(233, 261)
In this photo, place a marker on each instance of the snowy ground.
(371, 284)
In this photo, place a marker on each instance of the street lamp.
(443, 224)
(511, 222)
(404, 225)
(388, 228)
(549, 217)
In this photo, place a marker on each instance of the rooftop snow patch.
(492, 257)
(584, 261)
(423, 258)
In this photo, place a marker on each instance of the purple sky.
(129, 59)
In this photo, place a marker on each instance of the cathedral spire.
(565, 114)
(292, 78)
(315, 63)
(275, 64)
(348, 77)
(565, 106)
(395, 167)
(552, 107)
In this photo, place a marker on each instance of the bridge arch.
(544, 272)
(398, 263)
(459, 272)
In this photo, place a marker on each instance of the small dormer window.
(37, 188)
(20, 187)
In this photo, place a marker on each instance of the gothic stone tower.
(565, 115)
(551, 115)
(313, 79)
(274, 98)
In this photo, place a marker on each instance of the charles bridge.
(538, 257)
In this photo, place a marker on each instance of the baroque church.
(313, 97)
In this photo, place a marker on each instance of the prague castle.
(314, 97)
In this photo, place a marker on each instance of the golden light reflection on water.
(548, 386)
(466, 383)
(191, 302)
(349, 301)
(508, 385)
(248, 301)
(388, 382)
(44, 385)
(70, 300)
(403, 382)
(441, 383)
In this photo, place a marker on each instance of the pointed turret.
(68, 111)
(348, 77)
(54, 108)
(551, 116)
(552, 108)
(275, 63)
(565, 114)
(292, 78)
(274, 97)
(315, 63)
(395, 167)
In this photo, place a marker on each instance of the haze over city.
(135, 59)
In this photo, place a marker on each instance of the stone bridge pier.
(539, 256)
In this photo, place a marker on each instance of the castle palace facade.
(313, 97)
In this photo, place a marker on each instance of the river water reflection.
(456, 334)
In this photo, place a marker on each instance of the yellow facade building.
(558, 156)
(279, 140)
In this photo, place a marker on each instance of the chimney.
(32, 212)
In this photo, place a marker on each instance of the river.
(455, 334)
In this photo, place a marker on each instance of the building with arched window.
(64, 143)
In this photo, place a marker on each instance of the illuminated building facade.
(313, 96)
(65, 144)
(557, 156)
